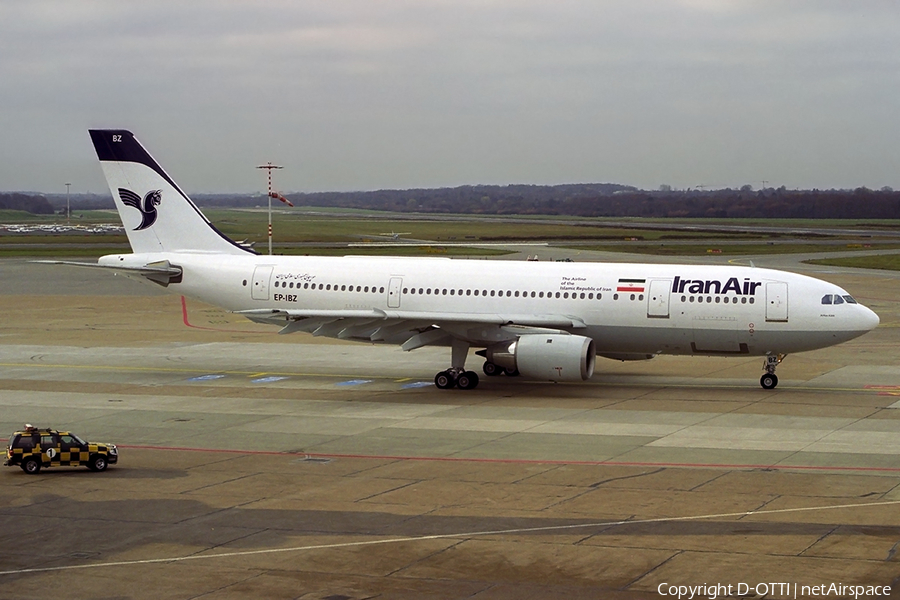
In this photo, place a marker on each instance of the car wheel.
(97, 463)
(32, 466)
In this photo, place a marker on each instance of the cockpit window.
(826, 299)
(850, 300)
(838, 299)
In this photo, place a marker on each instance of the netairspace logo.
(772, 590)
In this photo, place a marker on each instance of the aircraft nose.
(869, 319)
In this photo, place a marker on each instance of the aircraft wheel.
(511, 372)
(490, 369)
(467, 380)
(444, 380)
(768, 381)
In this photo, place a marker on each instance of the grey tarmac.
(297, 467)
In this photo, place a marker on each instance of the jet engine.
(551, 357)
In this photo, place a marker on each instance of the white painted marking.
(422, 538)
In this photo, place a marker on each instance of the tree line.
(35, 204)
(584, 200)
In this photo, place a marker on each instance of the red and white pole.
(269, 166)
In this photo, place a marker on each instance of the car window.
(70, 439)
(26, 442)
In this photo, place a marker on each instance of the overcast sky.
(361, 95)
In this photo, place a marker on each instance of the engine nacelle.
(550, 357)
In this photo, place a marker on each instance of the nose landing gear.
(770, 380)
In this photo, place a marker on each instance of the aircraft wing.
(530, 320)
(409, 329)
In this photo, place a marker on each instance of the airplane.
(394, 236)
(542, 320)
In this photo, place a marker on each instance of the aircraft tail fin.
(157, 215)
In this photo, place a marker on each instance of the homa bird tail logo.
(147, 206)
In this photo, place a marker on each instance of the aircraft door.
(394, 292)
(658, 299)
(260, 284)
(776, 301)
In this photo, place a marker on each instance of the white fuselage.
(627, 309)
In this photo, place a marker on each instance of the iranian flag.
(631, 285)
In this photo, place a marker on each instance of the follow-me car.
(33, 449)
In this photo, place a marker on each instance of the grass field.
(730, 249)
(299, 226)
(885, 261)
(294, 227)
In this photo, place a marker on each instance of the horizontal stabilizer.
(161, 272)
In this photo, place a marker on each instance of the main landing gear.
(770, 380)
(456, 375)
(464, 380)
(492, 370)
